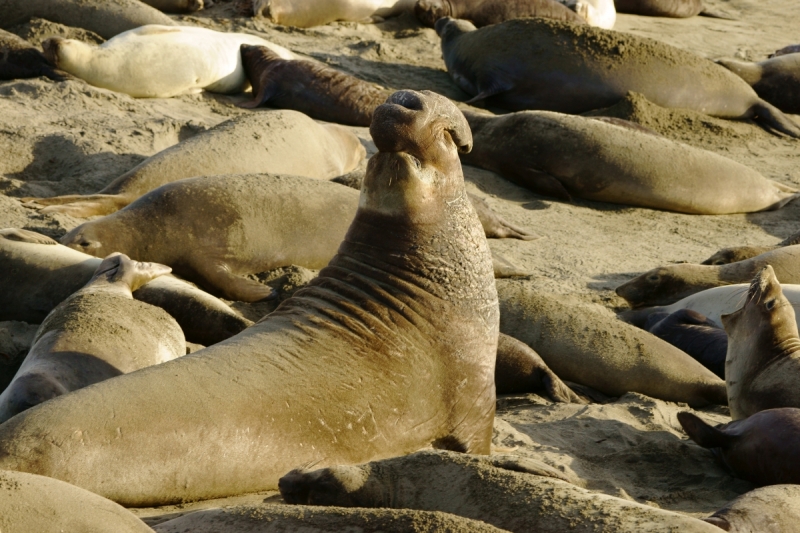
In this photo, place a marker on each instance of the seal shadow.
(780, 223)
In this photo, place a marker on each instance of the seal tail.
(771, 116)
(702, 433)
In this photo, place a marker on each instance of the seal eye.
(654, 277)
(84, 243)
(769, 304)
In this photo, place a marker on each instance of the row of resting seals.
(96, 334)
(667, 8)
(39, 273)
(583, 343)
(762, 369)
(106, 18)
(275, 141)
(512, 493)
(308, 13)
(693, 333)
(740, 253)
(761, 448)
(775, 508)
(776, 80)
(668, 284)
(599, 66)
(401, 328)
(486, 12)
(19, 59)
(178, 6)
(533, 149)
(261, 222)
(157, 61)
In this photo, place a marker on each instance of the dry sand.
(69, 137)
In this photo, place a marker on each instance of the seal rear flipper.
(702, 433)
(540, 183)
(23, 235)
(77, 205)
(221, 280)
(559, 391)
(782, 202)
(769, 115)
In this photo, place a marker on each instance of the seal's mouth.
(760, 285)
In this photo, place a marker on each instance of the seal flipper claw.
(221, 280)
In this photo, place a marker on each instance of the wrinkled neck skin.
(757, 339)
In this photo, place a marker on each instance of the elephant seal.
(599, 13)
(103, 17)
(389, 350)
(97, 333)
(791, 49)
(308, 13)
(157, 61)
(39, 274)
(531, 149)
(541, 57)
(776, 80)
(486, 12)
(278, 142)
(668, 284)
(513, 493)
(667, 8)
(176, 6)
(761, 448)
(19, 59)
(31, 503)
(693, 333)
(740, 253)
(763, 362)
(775, 509)
(584, 344)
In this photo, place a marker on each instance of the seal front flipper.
(702, 433)
(23, 235)
(77, 205)
(503, 268)
(749, 72)
(486, 89)
(525, 465)
(540, 183)
(220, 279)
(774, 118)
(494, 226)
(713, 13)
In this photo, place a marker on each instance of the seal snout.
(50, 49)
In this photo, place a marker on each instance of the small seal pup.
(667, 8)
(31, 503)
(540, 57)
(391, 349)
(513, 493)
(97, 333)
(308, 13)
(157, 61)
(486, 12)
(668, 284)
(775, 509)
(277, 142)
(740, 253)
(694, 334)
(19, 59)
(762, 367)
(531, 148)
(776, 80)
(763, 448)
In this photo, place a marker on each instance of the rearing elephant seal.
(487, 12)
(390, 350)
(19, 59)
(97, 333)
(776, 80)
(538, 58)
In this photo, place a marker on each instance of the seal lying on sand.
(776, 80)
(513, 493)
(668, 284)
(159, 61)
(97, 333)
(762, 369)
(775, 509)
(666, 8)
(278, 142)
(486, 12)
(308, 13)
(740, 253)
(19, 59)
(533, 148)
(540, 59)
(761, 449)
(39, 273)
(693, 333)
(585, 344)
(176, 6)
(390, 350)
(791, 49)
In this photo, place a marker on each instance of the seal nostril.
(407, 99)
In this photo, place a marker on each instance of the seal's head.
(340, 486)
(767, 315)
(660, 286)
(732, 255)
(429, 11)
(86, 238)
(448, 28)
(120, 269)
(66, 54)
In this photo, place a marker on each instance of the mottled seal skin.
(39, 274)
(668, 284)
(666, 8)
(277, 142)
(761, 448)
(585, 344)
(532, 149)
(776, 80)
(19, 59)
(401, 328)
(763, 361)
(513, 493)
(36, 503)
(694, 334)
(97, 333)
(740, 253)
(176, 6)
(309, 87)
(538, 58)
(775, 509)
(486, 12)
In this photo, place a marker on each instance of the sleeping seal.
(486, 12)
(666, 8)
(390, 350)
(97, 333)
(159, 61)
(775, 509)
(740, 253)
(308, 13)
(776, 80)
(19, 59)
(556, 66)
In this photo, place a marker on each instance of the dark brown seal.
(791, 49)
(740, 253)
(776, 80)
(19, 59)
(762, 449)
(694, 334)
(486, 12)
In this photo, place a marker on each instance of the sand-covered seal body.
(584, 344)
(555, 66)
(761, 448)
(308, 13)
(694, 334)
(740, 253)
(97, 333)
(762, 368)
(158, 61)
(176, 6)
(485, 12)
(277, 142)
(776, 80)
(533, 148)
(401, 328)
(775, 509)
(19, 59)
